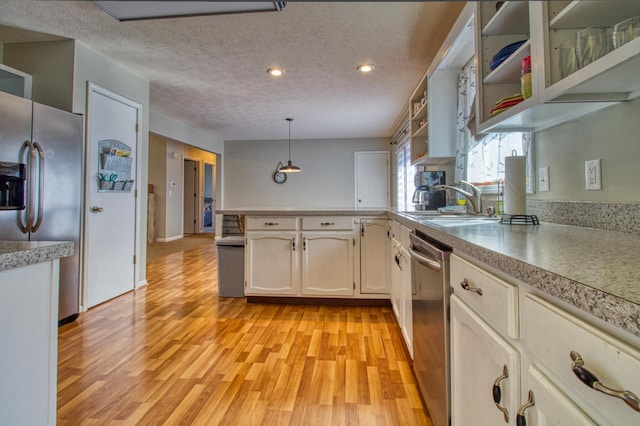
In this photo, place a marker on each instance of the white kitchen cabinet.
(29, 349)
(550, 406)
(484, 366)
(374, 274)
(271, 263)
(327, 263)
(400, 287)
(406, 317)
(614, 363)
(547, 24)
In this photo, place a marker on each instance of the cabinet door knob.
(520, 419)
(590, 379)
(497, 393)
(467, 286)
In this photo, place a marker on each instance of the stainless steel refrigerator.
(47, 145)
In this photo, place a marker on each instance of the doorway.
(208, 219)
(110, 218)
(190, 193)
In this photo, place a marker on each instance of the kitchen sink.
(458, 220)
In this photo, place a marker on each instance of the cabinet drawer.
(498, 302)
(271, 223)
(327, 222)
(551, 334)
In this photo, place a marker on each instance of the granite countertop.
(271, 211)
(593, 270)
(14, 254)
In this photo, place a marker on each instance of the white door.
(479, 357)
(190, 196)
(110, 211)
(327, 263)
(374, 276)
(271, 263)
(372, 179)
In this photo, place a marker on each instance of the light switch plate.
(592, 175)
(543, 179)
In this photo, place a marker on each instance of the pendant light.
(290, 168)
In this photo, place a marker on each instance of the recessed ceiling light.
(276, 72)
(366, 68)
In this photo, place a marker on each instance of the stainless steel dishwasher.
(430, 304)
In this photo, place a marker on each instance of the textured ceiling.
(210, 71)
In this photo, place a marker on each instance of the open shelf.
(511, 18)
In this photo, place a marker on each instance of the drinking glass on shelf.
(625, 31)
(591, 44)
(568, 58)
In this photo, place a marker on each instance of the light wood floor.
(174, 353)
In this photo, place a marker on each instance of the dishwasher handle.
(423, 260)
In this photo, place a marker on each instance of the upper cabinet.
(574, 60)
(433, 120)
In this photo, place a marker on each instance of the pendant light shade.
(290, 168)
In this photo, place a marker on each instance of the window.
(480, 159)
(405, 176)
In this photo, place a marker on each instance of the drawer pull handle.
(520, 419)
(589, 379)
(467, 286)
(497, 393)
(271, 223)
(327, 223)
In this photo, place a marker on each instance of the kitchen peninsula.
(562, 261)
(29, 281)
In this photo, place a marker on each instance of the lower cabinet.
(327, 263)
(29, 348)
(546, 377)
(310, 256)
(271, 263)
(485, 371)
(400, 289)
(374, 277)
(547, 405)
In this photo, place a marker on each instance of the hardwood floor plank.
(174, 353)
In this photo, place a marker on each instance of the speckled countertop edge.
(303, 212)
(611, 308)
(15, 254)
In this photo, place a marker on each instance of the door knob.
(96, 209)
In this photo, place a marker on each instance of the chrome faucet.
(474, 196)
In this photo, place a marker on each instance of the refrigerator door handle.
(40, 214)
(26, 224)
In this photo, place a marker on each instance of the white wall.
(51, 64)
(612, 135)
(177, 130)
(326, 180)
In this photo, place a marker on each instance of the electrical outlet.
(543, 179)
(592, 175)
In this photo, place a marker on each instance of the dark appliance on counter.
(430, 317)
(426, 197)
(47, 144)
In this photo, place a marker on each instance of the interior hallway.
(176, 353)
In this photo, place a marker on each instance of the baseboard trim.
(331, 301)
(166, 240)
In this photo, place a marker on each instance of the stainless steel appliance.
(49, 143)
(430, 310)
(426, 196)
